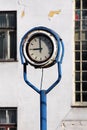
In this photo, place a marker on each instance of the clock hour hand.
(40, 45)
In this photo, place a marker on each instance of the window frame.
(8, 125)
(79, 60)
(8, 30)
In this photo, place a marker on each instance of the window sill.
(10, 60)
(7, 124)
(79, 104)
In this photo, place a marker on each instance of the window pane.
(12, 116)
(84, 86)
(2, 36)
(84, 35)
(84, 45)
(7, 20)
(77, 15)
(77, 76)
(77, 66)
(3, 22)
(84, 4)
(77, 45)
(84, 14)
(13, 45)
(77, 55)
(84, 96)
(77, 25)
(77, 4)
(77, 36)
(84, 24)
(84, 55)
(78, 86)
(77, 98)
(84, 76)
(3, 45)
(84, 65)
(12, 20)
(2, 116)
(84, 17)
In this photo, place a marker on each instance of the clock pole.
(43, 110)
(56, 58)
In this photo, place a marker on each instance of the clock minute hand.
(36, 49)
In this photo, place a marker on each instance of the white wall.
(13, 90)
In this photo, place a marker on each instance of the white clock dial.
(39, 48)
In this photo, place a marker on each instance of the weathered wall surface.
(57, 15)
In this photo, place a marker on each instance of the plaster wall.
(57, 15)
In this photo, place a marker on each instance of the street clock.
(40, 48)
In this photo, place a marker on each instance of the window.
(8, 119)
(80, 52)
(8, 38)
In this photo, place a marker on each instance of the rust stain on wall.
(23, 13)
(54, 12)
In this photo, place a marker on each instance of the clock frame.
(48, 42)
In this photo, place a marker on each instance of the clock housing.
(40, 48)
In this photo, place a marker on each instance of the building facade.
(67, 102)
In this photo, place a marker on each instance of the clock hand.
(36, 49)
(40, 45)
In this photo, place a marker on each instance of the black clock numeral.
(49, 52)
(40, 58)
(32, 44)
(35, 39)
(45, 57)
(36, 57)
(32, 54)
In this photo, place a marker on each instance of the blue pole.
(43, 110)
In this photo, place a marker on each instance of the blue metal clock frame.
(43, 93)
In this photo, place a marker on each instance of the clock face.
(39, 48)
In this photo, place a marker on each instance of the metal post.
(43, 110)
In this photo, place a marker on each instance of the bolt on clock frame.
(51, 42)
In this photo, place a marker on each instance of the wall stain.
(23, 13)
(54, 12)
